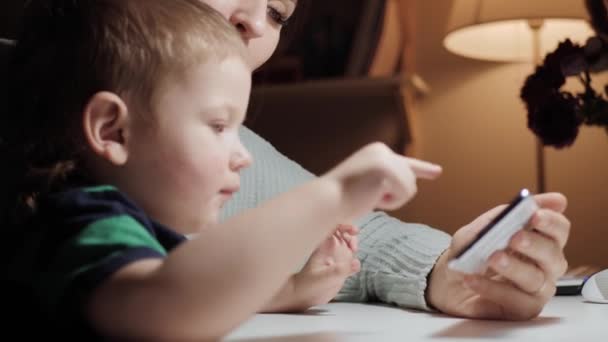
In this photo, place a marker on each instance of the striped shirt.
(84, 236)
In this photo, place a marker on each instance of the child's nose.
(240, 159)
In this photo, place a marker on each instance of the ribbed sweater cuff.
(396, 259)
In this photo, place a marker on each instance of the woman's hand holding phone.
(518, 280)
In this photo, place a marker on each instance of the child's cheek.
(200, 174)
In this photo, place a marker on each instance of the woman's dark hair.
(295, 26)
(69, 50)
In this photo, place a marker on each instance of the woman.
(405, 264)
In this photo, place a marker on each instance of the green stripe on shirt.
(101, 188)
(98, 243)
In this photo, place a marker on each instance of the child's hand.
(323, 275)
(328, 267)
(375, 177)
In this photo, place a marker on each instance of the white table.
(563, 319)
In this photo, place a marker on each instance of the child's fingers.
(340, 238)
(348, 228)
(330, 245)
(423, 169)
(349, 233)
(336, 241)
(352, 241)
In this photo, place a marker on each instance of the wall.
(474, 124)
(472, 127)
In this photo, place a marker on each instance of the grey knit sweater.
(396, 257)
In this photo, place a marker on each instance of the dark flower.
(567, 60)
(555, 116)
(541, 85)
(594, 48)
(573, 65)
(565, 52)
(596, 54)
(556, 121)
(594, 108)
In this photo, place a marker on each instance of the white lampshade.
(498, 30)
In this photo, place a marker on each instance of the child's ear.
(106, 127)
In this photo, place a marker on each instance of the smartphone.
(495, 235)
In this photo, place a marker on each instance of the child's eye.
(277, 17)
(218, 128)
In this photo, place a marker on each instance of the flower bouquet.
(555, 115)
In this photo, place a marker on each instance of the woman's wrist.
(436, 281)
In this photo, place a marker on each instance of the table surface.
(565, 318)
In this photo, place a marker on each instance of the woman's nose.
(251, 20)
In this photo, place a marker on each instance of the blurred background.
(354, 71)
